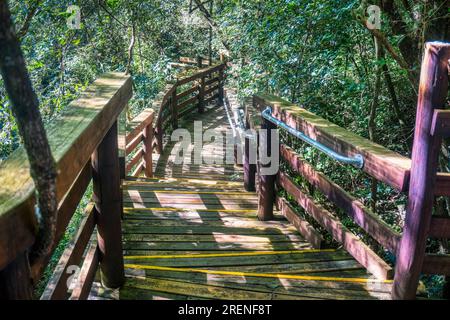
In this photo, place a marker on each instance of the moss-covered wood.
(73, 137)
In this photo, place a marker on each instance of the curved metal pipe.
(357, 160)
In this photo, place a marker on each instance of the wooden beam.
(436, 264)
(66, 209)
(433, 91)
(72, 137)
(358, 249)
(360, 214)
(87, 274)
(139, 168)
(187, 102)
(442, 187)
(441, 123)
(440, 227)
(212, 89)
(304, 227)
(135, 160)
(148, 151)
(108, 203)
(211, 81)
(379, 162)
(200, 74)
(135, 142)
(138, 124)
(201, 95)
(15, 280)
(57, 288)
(211, 98)
(266, 191)
(187, 93)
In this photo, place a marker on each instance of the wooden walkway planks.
(193, 233)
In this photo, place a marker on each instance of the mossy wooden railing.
(140, 133)
(84, 144)
(417, 177)
(188, 93)
(87, 146)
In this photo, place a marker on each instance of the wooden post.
(15, 280)
(199, 62)
(266, 193)
(249, 168)
(221, 87)
(148, 150)
(174, 109)
(159, 136)
(107, 198)
(201, 96)
(432, 95)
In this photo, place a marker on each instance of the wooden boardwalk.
(192, 233)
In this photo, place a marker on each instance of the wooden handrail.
(417, 176)
(84, 141)
(74, 137)
(141, 131)
(379, 162)
(203, 86)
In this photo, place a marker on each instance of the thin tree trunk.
(392, 93)
(131, 47)
(25, 107)
(32, 11)
(212, 24)
(372, 118)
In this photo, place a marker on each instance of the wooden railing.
(90, 144)
(184, 96)
(140, 133)
(416, 177)
(84, 144)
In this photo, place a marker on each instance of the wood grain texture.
(360, 251)
(72, 137)
(360, 214)
(57, 288)
(379, 162)
(433, 93)
(87, 274)
(304, 227)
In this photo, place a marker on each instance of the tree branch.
(32, 11)
(212, 24)
(25, 107)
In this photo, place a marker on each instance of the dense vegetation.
(316, 53)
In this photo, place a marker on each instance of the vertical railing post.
(148, 150)
(159, 136)
(432, 94)
(199, 62)
(221, 86)
(201, 95)
(266, 192)
(15, 280)
(249, 168)
(249, 159)
(174, 108)
(107, 198)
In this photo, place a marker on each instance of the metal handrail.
(357, 160)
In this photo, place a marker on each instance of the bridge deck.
(192, 233)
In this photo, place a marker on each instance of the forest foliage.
(317, 53)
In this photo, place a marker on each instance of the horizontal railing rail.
(140, 133)
(357, 160)
(417, 177)
(84, 144)
(188, 93)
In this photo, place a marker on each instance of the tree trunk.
(25, 107)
